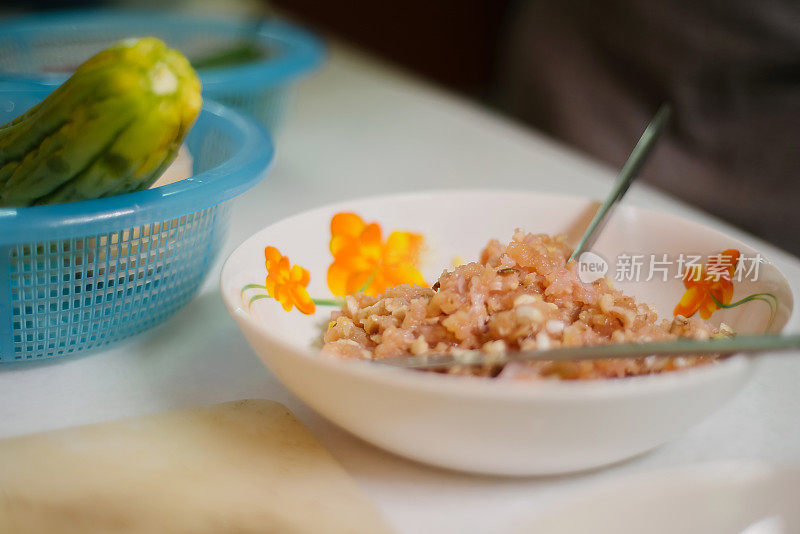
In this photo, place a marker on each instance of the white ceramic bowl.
(484, 425)
(725, 498)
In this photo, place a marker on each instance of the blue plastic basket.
(81, 275)
(39, 50)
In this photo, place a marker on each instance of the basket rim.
(300, 52)
(248, 165)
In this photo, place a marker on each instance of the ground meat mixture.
(520, 296)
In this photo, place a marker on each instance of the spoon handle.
(626, 175)
(738, 344)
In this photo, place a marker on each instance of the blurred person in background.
(593, 73)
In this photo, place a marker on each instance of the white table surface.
(360, 128)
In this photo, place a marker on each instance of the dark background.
(453, 42)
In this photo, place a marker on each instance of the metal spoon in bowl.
(627, 174)
(739, 344)
(629, 171)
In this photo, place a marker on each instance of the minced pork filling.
(519, 296)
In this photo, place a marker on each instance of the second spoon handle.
(626, 175)
(738, 344)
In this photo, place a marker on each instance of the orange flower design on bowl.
(708, 286)
(287, 283)
(364, 262)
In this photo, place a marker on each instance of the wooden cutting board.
(241, 467)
